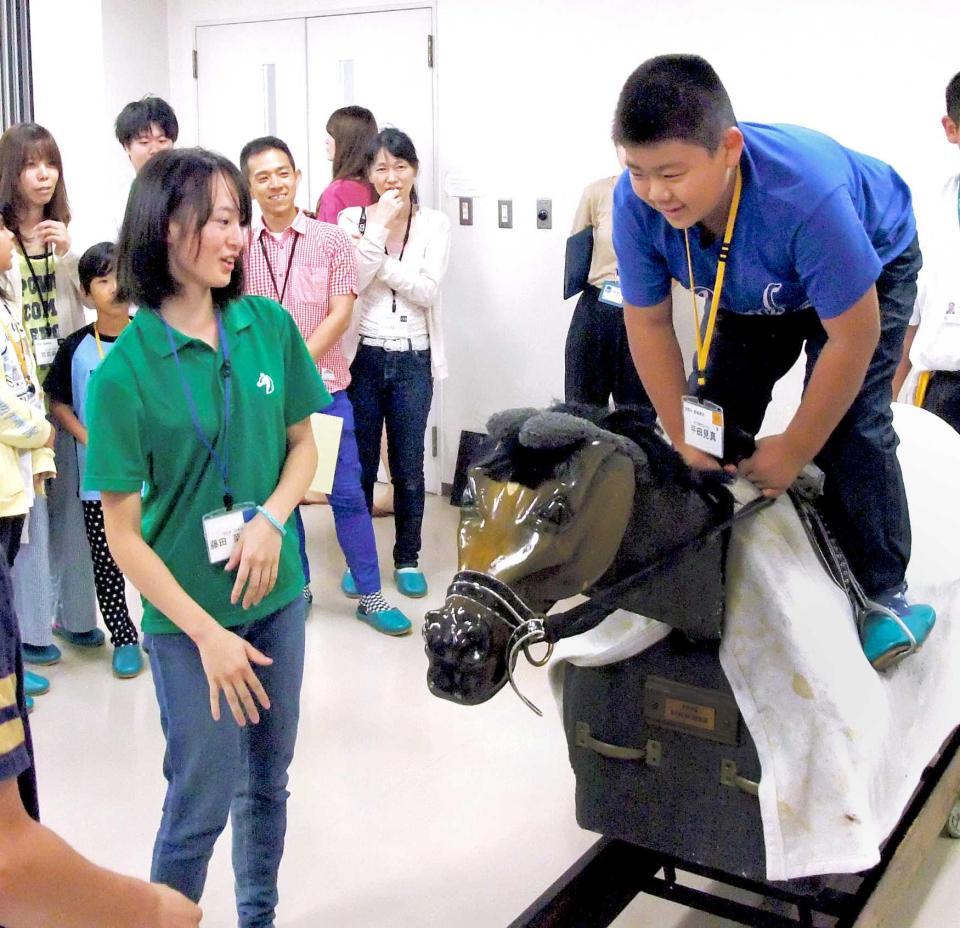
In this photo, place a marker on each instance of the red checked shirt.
(322, 265)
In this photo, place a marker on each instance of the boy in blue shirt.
(792, 240)
(66, 384)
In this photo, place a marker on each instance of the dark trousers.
(597, 357)
(11, 528)
(395, 387)
(108, 578)
(943, 397)
(864, 496)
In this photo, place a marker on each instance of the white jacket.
(936, 346)
(416, 279)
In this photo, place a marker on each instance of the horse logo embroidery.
(265, 381)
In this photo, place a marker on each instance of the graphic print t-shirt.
(40, 300)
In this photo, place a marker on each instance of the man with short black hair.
(145, 127)
(794, 242)
(309, 268)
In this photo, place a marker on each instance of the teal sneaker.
(127, 661)
(91, 639)
(28, 702)
(34, 684)
(388, 621)
(349, 586)
(410, 582)
(44, 655)
(897, 631)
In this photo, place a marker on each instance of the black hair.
(260, 145)
(176, 184)
(673, 97)
(137, 117)
(398, 144)
(97, 261)
(953, 98)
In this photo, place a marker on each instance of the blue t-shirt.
(68, 379)
(816, 224)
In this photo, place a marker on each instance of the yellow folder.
(326, 434)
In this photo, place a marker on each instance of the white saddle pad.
(841, 747)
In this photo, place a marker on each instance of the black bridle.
(531, 628)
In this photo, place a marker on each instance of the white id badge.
(610, 294)
(952, 315)
(222, 528)
(327, 375)
(45, 350)
(703, 426)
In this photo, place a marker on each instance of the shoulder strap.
(362, 225)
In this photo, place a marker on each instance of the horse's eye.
(556, 512)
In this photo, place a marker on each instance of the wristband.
(276, 523)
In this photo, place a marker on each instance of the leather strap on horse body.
(835, 562)
(605, 600)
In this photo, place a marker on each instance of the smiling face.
(146, 144)
(390, 173)
(273, 184)
(683, 181)
(207, 258)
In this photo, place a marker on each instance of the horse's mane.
(512, 460)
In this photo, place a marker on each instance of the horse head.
(571, 500)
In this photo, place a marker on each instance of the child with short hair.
(67, 380)
(804, 245)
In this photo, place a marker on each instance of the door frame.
(430, 5)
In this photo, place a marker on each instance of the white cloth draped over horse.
(841, 747)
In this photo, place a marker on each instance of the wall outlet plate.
(465, 210)
(505, 214)
(544, 214)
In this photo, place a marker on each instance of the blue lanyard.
(223, 464)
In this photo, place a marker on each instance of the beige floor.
(406, 811)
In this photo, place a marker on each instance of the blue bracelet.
(276, 523)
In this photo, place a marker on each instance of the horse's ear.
(508, 422)
(559, 430)
(556, 430)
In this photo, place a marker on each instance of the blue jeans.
(864, 496)
(351, 515)
(395, 387)
(217, 768)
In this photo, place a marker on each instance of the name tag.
(610, 294)
(45, 350)
(326, 375)
(703, 426)
(952, 315)
(222, 528)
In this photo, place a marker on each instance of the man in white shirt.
(931, 352)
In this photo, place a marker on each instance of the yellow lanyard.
(96, 335)
(21, 359)
(705, 340)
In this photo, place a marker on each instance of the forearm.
(834, 385)
(43, 881)
(65, 416)
(21, 425)
(904, 367)
(298, 470)
(329, 332)
(659, 362)
(153, 579)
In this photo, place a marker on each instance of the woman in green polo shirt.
(205, 403)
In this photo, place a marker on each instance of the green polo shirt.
(142, 436)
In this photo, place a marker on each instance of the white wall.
(90, 57)
(526, 93)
